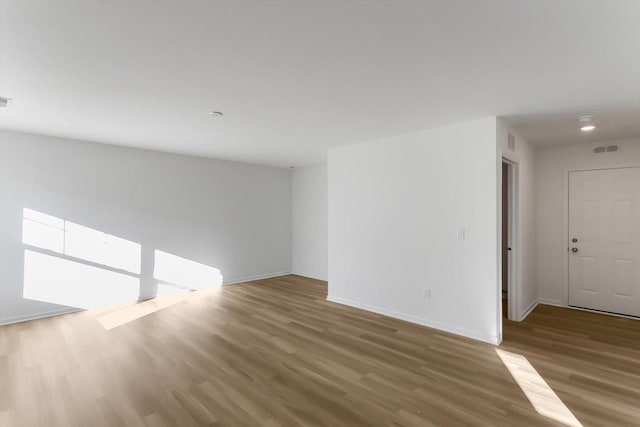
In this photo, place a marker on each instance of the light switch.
(461, 234)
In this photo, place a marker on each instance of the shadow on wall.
(80, 267)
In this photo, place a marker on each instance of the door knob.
(574, 240)
(574, 250)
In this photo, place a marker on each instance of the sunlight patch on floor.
(545, 401)
(132, 312)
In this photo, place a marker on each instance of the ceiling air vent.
(605, 149)
(511, 142)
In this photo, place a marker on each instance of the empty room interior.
(319, 213)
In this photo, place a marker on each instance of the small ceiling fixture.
(586, 123)
(5, 101)
(216, 113)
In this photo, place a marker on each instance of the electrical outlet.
(427, 294)
(461, 234)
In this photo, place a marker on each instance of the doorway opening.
(509, 231)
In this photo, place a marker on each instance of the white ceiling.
(295, 78)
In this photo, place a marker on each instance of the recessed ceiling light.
(5, 101)
(586, 123)
(216, 113)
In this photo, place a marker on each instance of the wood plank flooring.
(274, 352)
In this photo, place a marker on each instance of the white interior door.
(604, 240)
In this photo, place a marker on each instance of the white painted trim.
(552, 303)
(588, 310)
(515, 278)
(495, 340)
(529, 310)
(608, 167)
(604, 313)
(565, 233)
(259, 277)
(324, 279)
(499, 177)
(36, 316)
(42, 315)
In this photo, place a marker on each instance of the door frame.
(513, 285)
(566, 196)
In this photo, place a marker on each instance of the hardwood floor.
(274, 352)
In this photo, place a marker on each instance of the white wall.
(525, 286)
(310, 229)
(552, 167)
(231, 216)
(395, 208)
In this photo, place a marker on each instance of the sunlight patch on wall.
(64, 237)
(61, 281)
(69, 264)
(183, 272)
(166, 290)
(42, 230)
(544, 400)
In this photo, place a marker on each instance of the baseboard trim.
(605, 313)
(51, 313)
(588, 310)
(529, 310)
(40, 315)
(259, 277)
(324, 279)
(495, 340)
(551, 302)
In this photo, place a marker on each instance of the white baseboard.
(529, 310)
(50, 313)
(311, 276)
(552, 302)
(40, 315)
(495, 340)
(259, 277)
(604, 313)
